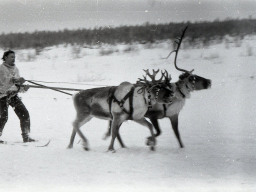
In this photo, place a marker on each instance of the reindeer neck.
(183, 89)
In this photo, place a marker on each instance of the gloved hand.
(18, 81)
(26, 87)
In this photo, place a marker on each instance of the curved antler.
(178, 42)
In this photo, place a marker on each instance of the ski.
(20, 143)
(44, 145)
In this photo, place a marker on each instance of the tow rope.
(52, 88)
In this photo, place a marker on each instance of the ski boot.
(1, 141)
(26, 138)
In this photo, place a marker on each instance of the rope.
(72, 83)
(59, 88)
(49, 87)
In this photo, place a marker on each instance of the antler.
(178, 41)
(152, 77)
(147, 83)
(166, 76)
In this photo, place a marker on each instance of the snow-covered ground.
(218, 125)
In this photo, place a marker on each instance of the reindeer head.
(159, 90)
(190, 81)
(195, 82)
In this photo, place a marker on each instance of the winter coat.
(7, 73)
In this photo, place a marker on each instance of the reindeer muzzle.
(208, 84)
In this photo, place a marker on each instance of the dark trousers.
(19, 109)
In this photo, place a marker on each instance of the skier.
(10, 82)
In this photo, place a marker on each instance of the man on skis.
(10, 82)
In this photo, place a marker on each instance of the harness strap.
(149, 101)
(131, 103)
(164, 109)
(121, 103)
(183, 95)
(110, 99)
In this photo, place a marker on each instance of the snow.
(217, 125)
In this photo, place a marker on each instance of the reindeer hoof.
(152, 148)
(86, 148)
(151, 141)
(112, 150)
(69, 146)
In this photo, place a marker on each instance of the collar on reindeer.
(180, 91)
(149, 101)
(182, 94)
(149, 96)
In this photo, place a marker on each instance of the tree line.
(146, 33)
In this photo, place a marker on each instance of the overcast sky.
(31, 15)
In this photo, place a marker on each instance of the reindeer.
(186, 84)
(118, 104)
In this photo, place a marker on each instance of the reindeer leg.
(151, 140)
(120, 139)
(108, 133)
(76, 126)
(116, 123)
(174, 122)
(156, 126)
(72, 138)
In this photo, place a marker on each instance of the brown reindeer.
(124, 102)
(187, 83)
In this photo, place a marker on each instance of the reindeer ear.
(181, 77)
(184, 75)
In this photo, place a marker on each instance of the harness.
(121, 103)
(129, 95)
(183, 95)
(165, 108)
(149, 103)
(189, 89)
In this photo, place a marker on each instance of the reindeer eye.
(192, 79)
